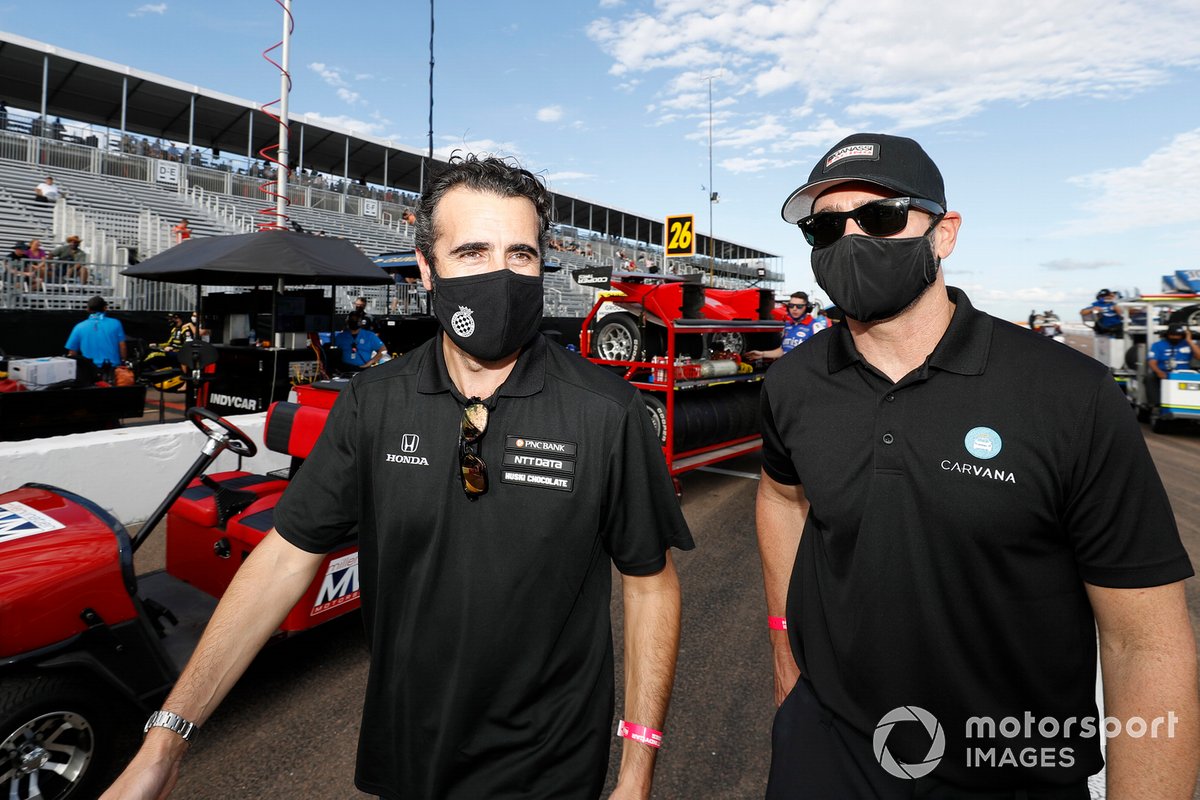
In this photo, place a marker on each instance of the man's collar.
(963, 348)
(528, 375)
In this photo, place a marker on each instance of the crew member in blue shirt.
(360, 348)
(1104, 314)
(1174, 351)
(799, 326)
(99, 337)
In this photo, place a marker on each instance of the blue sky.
(1068, 132)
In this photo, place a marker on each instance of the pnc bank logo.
(900, 769)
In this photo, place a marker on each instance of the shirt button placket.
(887, 456)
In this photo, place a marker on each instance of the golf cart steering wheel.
(238, 441)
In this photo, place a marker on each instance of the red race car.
(628, 322)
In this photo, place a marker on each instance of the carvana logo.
(983, 443)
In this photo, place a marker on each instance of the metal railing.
(136, 159)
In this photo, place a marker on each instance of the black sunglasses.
(877, 218)
(471, 467)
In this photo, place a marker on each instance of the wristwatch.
(172, 722)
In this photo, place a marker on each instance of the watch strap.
(172, 722)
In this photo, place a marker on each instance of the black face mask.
(489, 316)
(874, 278)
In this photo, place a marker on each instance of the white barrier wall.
(127, 471)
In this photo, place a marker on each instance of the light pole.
(712, 195)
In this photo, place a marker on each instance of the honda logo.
(409, 443)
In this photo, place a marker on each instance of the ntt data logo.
(937, 746)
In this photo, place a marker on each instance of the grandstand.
(124, 189)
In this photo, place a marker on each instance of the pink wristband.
(777, 623)
(639, 733)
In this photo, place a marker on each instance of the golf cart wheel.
(617, 338)
(1157, 423)
(56, 739)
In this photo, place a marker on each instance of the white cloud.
(351, 97)
(875, 63)
(740, 164)
(1071, 264)
(331, 75)
(1040, 295)
(149, 8)
(567, 176)
(477, 146)
(550, 114)
(342, 122)
(1164, 189)
(611, 3)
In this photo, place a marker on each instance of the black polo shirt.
(955, 516)
(488, 620)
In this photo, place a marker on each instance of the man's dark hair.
(96, 303)
(802, 295)
(489, 174)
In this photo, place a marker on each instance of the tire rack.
(638, 373)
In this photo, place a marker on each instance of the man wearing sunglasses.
(950, 507)
(493, 480)
(798, 328)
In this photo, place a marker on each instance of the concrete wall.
(127, 471)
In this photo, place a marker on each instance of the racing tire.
(58, 739)
(617, 337)
(658, 416)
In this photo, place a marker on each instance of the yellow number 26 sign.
(681, 235)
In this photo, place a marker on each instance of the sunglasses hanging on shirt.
(471, 467)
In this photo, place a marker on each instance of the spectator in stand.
(56, 129)
(409, 217)
(47, 191)
(35, 260)
(182, 231)
(18, 252)
(17, 265)
(69, 261)
(99, 337)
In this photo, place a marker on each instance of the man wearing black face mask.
(493, 480)
(982, 502)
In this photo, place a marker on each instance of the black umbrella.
(259, 259)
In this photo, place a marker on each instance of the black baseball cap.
(1176, 329)
(892, 162)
